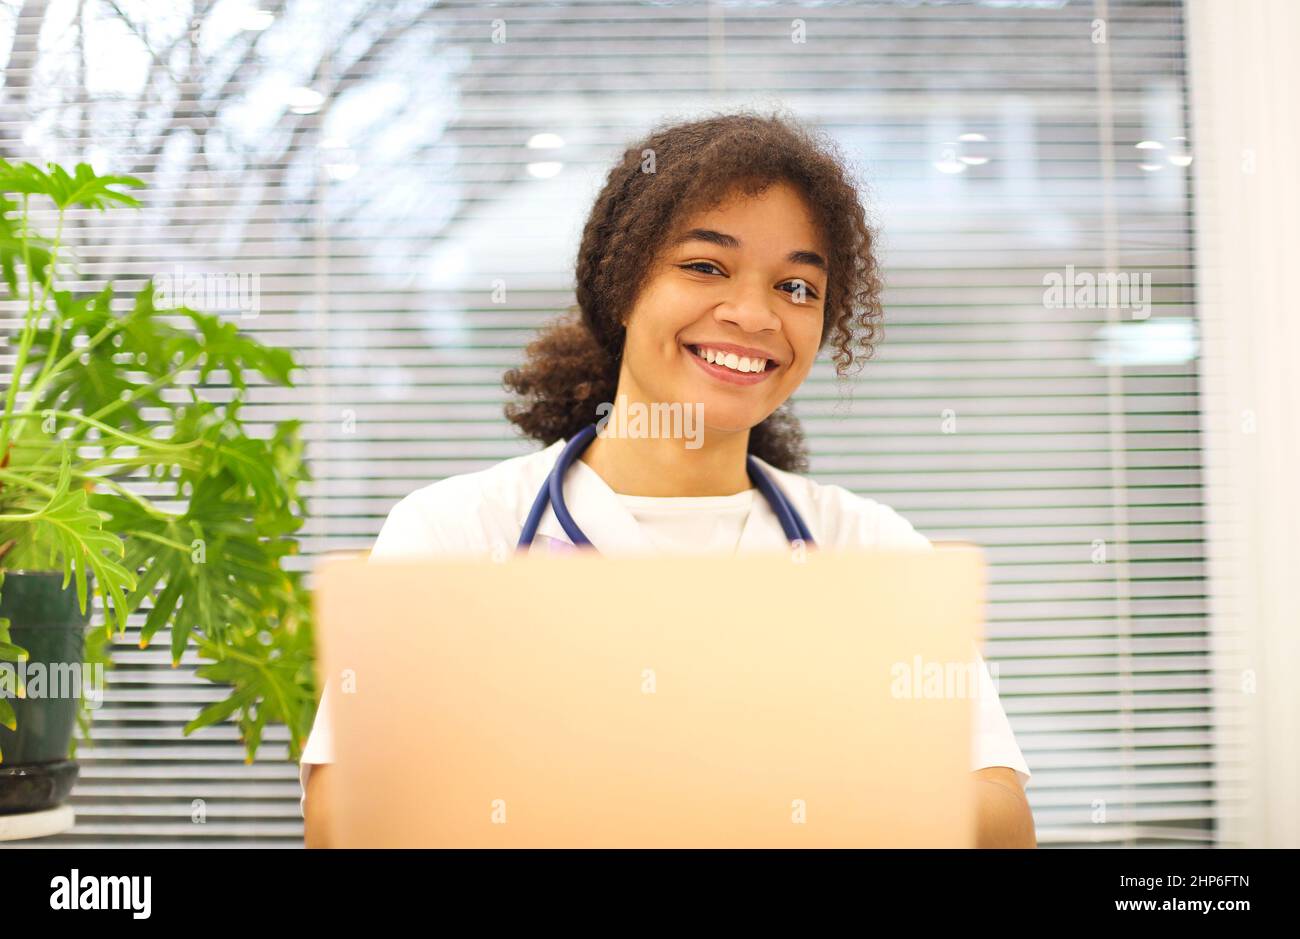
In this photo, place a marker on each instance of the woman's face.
(744, 280)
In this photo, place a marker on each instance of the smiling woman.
(721, 288)
(719, 258)
(749, 229)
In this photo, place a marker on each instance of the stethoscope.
(552, 491)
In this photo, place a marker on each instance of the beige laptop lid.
(749, 701)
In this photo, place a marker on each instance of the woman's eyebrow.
(723, 240)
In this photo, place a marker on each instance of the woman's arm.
(1003, 817)
(315, 820)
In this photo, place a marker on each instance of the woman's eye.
(713, 268)
(808, 290)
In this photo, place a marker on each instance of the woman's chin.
(724, 421)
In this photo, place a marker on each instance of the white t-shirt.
(692, 524)
(482, 514)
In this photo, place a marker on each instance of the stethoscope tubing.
(552, 491)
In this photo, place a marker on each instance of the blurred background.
(407, 180)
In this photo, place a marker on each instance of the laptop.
(760, 700)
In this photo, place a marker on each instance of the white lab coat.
(482, 513)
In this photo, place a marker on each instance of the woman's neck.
(664, 466)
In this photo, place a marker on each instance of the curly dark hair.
(675, 171)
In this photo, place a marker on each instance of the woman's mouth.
(732, 368)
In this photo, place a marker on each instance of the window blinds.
(408, 180)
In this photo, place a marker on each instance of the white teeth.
(733, 361)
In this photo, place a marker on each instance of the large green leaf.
(82, 187)
(13, 251)
(79, 531)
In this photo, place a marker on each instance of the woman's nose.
(750, 307)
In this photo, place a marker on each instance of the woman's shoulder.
(465, 511)
(500, 482)
(844, 518)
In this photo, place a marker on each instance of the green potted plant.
(103, 403)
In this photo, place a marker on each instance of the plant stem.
(114, 432)
(29, 517)
(150, 536)
(143, 503)
(141, 460)
(31, 321)
(39, 386)
(147, 389)
(26, 482)
(27, 252)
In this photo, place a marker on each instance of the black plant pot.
(44, 619)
